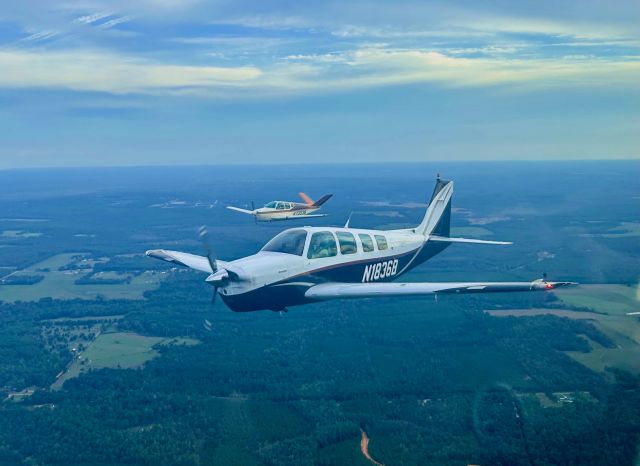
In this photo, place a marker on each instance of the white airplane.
(310, 264)
(285, 210)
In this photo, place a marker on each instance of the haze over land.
(109, 357)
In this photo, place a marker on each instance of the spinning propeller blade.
(204, 237)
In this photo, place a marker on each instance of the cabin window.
(281, 206)
(367, 242)
(382, 242)
(347, 242)
(322, 244)
(288, 242)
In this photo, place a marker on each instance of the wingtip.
(154, 252)
(554, 285)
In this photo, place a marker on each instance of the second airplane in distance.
(286, 210)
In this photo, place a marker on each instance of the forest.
(441, 384)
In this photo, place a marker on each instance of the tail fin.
(307, 200)
(437, 219)
(322, 200)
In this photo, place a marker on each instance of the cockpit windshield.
(288, 242)
(271, 205)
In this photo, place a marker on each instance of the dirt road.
(364, 447)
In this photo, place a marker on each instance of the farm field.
(117, 350)
(60, 284)
(609, 303)
(604, 298)
(473, 232)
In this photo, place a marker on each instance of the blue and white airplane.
(311, 264)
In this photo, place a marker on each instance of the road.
(364, 447)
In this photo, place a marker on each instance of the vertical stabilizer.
(437, 219)
(307, 200)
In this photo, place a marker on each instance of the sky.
(168, 82)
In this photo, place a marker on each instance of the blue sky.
(110, 82)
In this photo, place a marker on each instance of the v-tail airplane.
(286, 210)
(311, 264)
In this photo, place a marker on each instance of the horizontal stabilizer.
(466, 240)
(238, 209)
(327, 291)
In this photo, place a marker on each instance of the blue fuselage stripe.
(290, 291)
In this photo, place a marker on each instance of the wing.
(238, 209)
(309, 215)
(326, 291)
(466, 240)
(192, 261)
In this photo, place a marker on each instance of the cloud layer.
(496, 79)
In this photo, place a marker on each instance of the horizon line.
(296, 164)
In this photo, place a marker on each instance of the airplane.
(311, 264)
(285, 210)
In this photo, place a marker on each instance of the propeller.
(253, 209)
(204, 237)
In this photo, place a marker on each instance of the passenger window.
(367, 242)
(382, 242)
(347, 242)
(322, 244)
(280, 206)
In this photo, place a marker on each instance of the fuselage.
(283, 210)
(299, 258)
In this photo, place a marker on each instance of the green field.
(59, 284)
(121, 350)
(607, 299)
(540, 312)
(612, 303)
(626, 356)
(624, 230)
(19, 234)
(473, 232)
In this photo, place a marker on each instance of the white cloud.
(372, 67)
(106, 72)
(587, 30)
(88, 19)
(91, 70)
(40, 36)
(114, 22)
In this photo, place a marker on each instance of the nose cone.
(217, 278)
(266, 267)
